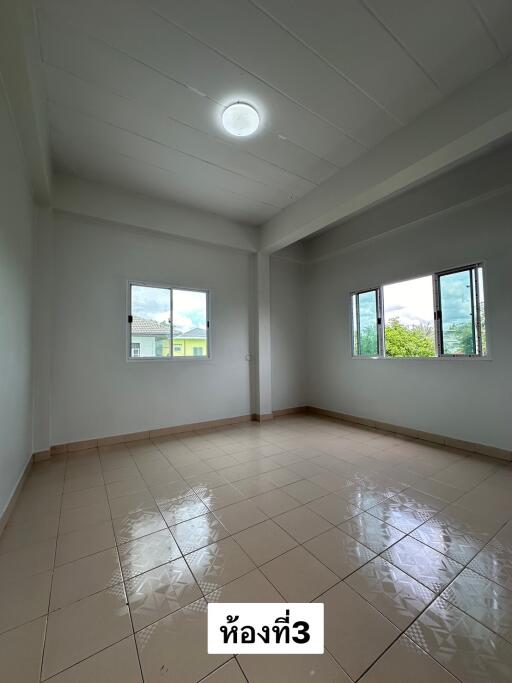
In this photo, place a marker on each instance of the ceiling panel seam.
(334, 68)
(397, 40)
(54, 129)
(211, 99)
(174, 149)
(262, 80)
(486, 26)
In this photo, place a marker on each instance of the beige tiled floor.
(111, 556)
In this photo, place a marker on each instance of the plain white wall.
(95, 391)
(288, 316)
(42, 327)
(465, 399)
(16, 216)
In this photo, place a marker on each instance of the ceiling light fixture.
(240, 119)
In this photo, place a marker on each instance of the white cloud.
(410, 301)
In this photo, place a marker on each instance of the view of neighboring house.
(194, 342)
(151, 339)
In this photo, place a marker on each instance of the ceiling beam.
(100, 202)
(22, 76)
(466, 123)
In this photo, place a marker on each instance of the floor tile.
(75, 519)
(142, 501)
(137, 524)
(494, 562)
(292, 669)
(457, 545)
(424, 564)
(275, 502)
(167, 493)
(251, 587)
(299, 576)
(174, 649)
(395, 594)
(126, 487)
(218, 564)
(483, 600)
(79, 499)
(334, 509)
(356, 634)
(264, 541)
(227, 673)
(21, 652)
(31, 559)
(87, 541)
(464, 646)
(240, 516)
(147, 553)
(305, 491)
(161, 591)
(198, 532)
(23, 599)
(438, 490)
(84, 628)
(400, 516)
(222, 496)
(183, 509)
(116, 664)
(76, 580)
(372, 532)
(405, 661)
(340, 552)
(302, 523)
(15, 537)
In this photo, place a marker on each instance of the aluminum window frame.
(475, 311)
(171, 357)
(378, 311)
(440, 355)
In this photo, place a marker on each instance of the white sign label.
(265, 628)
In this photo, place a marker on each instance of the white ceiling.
(135, 89)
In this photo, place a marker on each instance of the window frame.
(475, 299)
(474, 266)
(171, 357)
(378, 316)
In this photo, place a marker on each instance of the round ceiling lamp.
(240, 119)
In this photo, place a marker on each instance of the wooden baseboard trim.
(76, 446)
(262, 417)
(41, 455)
(438, 439)
(290, 411)
(4, 517)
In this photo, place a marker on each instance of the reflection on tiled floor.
(111, 556)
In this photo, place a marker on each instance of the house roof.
(194, 333)
(150, 328)
(143, 327)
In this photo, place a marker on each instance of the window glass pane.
(409, 319)
(457, 320)
(189, 317)
(150, 328)
(366, 324)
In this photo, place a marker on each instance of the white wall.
(465, 399)
(15, 309)
(288, 315)
(95, 391)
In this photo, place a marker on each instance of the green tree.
(369, 345)
(416, 341)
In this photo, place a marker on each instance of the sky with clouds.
(153, 303)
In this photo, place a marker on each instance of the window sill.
(427, 359)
